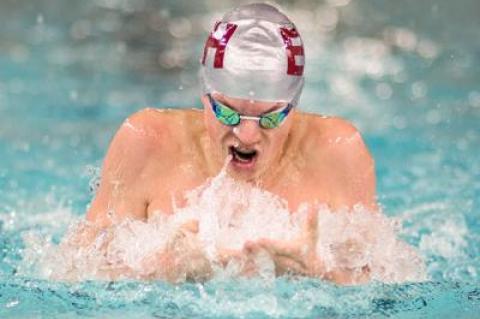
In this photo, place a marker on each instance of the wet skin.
(158, 155)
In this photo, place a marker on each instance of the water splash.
(229, 213)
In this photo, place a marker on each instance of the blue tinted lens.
(223, 113)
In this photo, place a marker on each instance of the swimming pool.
(70, 74)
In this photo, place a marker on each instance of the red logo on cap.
(218, 43)
(294, 44)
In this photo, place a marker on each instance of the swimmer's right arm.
(121, 193)
(182, 258)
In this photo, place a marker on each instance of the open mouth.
(243, 156)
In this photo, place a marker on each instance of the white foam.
(229, 213)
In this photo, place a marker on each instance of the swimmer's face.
(254, 150)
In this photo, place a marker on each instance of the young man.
(252, 77)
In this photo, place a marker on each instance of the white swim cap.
(254, 52)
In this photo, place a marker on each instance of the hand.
(182, 259)
(298, 256)
(239, 262)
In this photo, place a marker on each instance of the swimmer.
(252, 75)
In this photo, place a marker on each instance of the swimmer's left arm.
(355, 181)
(299, 257)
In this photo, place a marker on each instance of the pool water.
(405, 74)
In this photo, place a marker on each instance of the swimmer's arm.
(121, 193)
(182, 258)
(117, 197)
(355, 180)
(299, 257)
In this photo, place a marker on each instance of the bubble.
(40, 19)
(399, 122)
(307, 18)
(342, 86)
(175, 57)
(474, 99)
(401, 37)
(157, 20)
(384, 91)
(427, 49)
(418, 90)
(365, 56)
(128, 6)
(434, 117)
(73, 95)
(338, 3)
(180, 27)
(327, 18)
(374, 69)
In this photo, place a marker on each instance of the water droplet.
(40, 19)
(73, 95)
(12, 303)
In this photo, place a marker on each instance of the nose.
(248, 132)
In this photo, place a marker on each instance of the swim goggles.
(230, 117)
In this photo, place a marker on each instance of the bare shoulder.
(156, 129)
(150, 123)
(145, 144)
(336, 136)
(338, 155)
(151, 139)
(326, 128)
